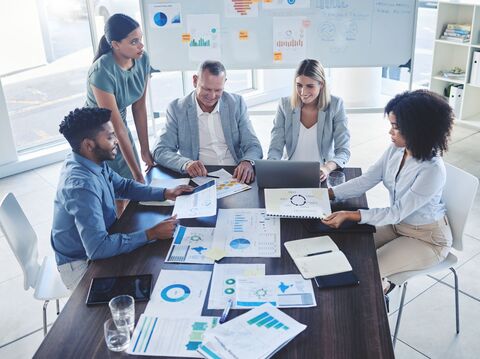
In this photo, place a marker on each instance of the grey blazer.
(179, 142)
(333, 135)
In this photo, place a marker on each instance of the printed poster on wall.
(164, 16)
(289, 39)
(204, 40)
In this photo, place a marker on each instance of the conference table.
(348, 322)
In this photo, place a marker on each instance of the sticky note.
(215, 253)
(186, 37)
(243, 35)
(277, 56)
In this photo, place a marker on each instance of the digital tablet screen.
(103, 289)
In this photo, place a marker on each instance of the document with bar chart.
(259, 333)
(282, 291)
(247, 232)
(189, 245)
(178, 337)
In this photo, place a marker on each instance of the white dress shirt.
(415, 194)
(307, 145)
(213, 148)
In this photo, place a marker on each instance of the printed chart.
(224, 282)
(190, 244)
(178, 293)
(204, 31)
(164, 16)
(179, 337)
(282, 291)
(247, 233)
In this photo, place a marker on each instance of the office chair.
(458, 196)
(44, 279)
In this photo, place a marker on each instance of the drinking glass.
(123, 311)
(116, 337)
(335, 178)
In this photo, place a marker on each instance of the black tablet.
(103, 289)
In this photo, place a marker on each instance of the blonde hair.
(314, 70)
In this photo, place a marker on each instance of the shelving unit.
(449, 54)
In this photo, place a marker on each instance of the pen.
(317, 253)
(223, 317)
(212, 176)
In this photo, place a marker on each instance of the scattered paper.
(283, 291)
(226, 184)
(215, 253)
(165, 183)
(178, 293)
(202, 202)
(190, 244)
(247, 232)
(223, 286)
(177, 337)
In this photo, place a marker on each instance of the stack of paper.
(190, 244)
(297, 202)
(202, 202)
(259, 333)
(165, 183)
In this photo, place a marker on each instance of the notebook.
(320, 258)
(297, 202)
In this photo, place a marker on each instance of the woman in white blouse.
(311, 125)
(413, 233)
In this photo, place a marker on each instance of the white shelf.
(446, 79)
(440, 41)
(449, 54)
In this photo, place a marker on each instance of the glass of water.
(116, 337)
(335, 178)
(123, 311)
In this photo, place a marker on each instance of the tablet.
(103, 289)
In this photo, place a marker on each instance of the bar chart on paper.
(266, 320)
(247, 233)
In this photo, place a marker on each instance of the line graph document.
(247, 232)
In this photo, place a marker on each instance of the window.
(40, 94)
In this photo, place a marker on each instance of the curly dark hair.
(425, 120)
(83, 123)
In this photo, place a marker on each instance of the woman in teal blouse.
(117, 79)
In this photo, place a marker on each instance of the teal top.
(126, 85)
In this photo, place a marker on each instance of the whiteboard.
(246, 34)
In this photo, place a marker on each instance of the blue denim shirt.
(84, 210)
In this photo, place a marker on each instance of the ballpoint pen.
(317, 253)
(212, 176)
(224, 315)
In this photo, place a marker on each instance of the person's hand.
(324, 172)
(244, 172)
(138, 176)
(148, 159)
(336, 219)
(172, 193)
(163, 230)
(196, 169)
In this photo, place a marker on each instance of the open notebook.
(297, 202)
(320, 258)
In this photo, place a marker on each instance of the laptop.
(287, 174)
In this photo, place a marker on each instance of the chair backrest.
(21, 237)
(458, 196)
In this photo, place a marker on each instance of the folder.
(475, 70)
(455, 99)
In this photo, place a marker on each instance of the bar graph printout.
(247, 232)
(178, 337)
(259, 333)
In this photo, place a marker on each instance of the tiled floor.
(428, 323)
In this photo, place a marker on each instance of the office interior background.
(48, 48)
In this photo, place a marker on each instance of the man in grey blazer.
(208, 127)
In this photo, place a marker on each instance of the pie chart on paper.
(240, 243)
(160, 18)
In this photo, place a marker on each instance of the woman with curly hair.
(413, 233)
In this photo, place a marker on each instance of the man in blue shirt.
(84, 207)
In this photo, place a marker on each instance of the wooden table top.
(348, 322)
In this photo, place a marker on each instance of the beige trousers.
(403, 247)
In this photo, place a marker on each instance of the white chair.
(44, 279)
(458, 195)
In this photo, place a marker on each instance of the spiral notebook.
(297, 202)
